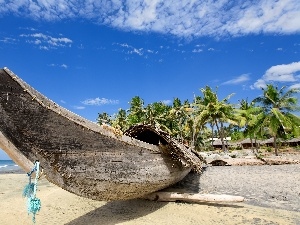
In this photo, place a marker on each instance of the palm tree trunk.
(251, 144)
(212, 134)
(256, 145)
(221, 135)
(193, 137)
(275, 146)
(181, 129)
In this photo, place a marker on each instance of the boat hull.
(76, 154)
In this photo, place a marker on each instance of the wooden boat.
(82, 157)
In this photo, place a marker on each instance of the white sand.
(61, 207)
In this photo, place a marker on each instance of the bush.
(260, 156)
(239, 148)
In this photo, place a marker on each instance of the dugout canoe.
(86, 159)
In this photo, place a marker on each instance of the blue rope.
(33, 203)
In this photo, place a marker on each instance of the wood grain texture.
(78, 155)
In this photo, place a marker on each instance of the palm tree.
(178, 114)
(174, 118)
(136, 111)
(120, 120)
(195, 123)
(104, 118)
(249, 115)
(215, 111)
(278, 106)
(156, 115)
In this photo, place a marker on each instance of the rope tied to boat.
(33, 203)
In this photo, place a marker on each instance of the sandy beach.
(272, 197)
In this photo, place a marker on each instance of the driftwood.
(162, 196)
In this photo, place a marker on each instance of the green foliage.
(237, 135)
(196, 122)
(214, 111)
(104, 118)
(120, 120)
(238, 148)
(136, 111)
(277, 119)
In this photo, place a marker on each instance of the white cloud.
(8, 40)
(44, 48)
(197, 50)
(46, 41)
(136, 51)
(295, 86)
(131, 50)
(100, 101)
(167, 102)
(79, 107)
(282, 73)
(260, 83)
(240, 79)
(183, 18)
(279, 73)
(57, 65)
(27, 28)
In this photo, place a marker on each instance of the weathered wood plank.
(189, 197)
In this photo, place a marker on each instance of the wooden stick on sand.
(189, 197)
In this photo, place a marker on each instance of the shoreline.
(15, 171)
(61, 207)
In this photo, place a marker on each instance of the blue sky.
(94, 56)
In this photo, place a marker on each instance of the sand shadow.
(121, 211)
(118, 211)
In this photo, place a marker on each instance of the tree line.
(207, 116)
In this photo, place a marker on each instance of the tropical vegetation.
(206, 117)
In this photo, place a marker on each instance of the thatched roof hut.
(218, 143)
(269, 142)
(294, 142)
(246, 143)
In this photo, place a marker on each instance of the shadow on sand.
(118, 211)
(121, 211)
